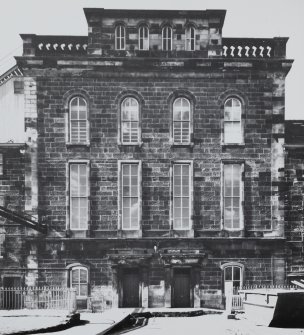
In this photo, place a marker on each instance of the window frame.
(119, 39)
(121, 122)
(1, 165)
(241, 195)
(190, 224)
(121, 163)
(87, 128)
(69, 214)
(79, 267)
(190, 121)
(232, 265)
(241, 121)
(187, 38)
(143, 39)
(166, 28)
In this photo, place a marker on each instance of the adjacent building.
(153, 162)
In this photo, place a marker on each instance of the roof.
(169, 14)
(14, 71)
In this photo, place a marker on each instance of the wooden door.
(130, 287)
(181, 288)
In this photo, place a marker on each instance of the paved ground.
(213, 324)
(209, 324)
(26, 320)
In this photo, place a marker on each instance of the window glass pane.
(232, 121)
(83, 275)
(236, 273)
(228, 114)
(181, 193)
(78, 120)
(130, 112)
(75, 276)
(83, 290)
(78, 196)
(232, 195)
(1, 164)
(130, 201)
(134, 210)
(76, 287)
(228, 273)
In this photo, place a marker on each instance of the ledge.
(233, 145)
(182, 145)
(69, 144)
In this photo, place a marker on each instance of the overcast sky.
(244, 18)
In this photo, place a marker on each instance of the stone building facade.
(155, 159)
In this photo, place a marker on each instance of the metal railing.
(237, 303)
(38, 298)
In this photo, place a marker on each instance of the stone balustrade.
(248, 48)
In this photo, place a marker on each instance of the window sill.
(70, 144)
(231, 145)
(138, 144)
(183, 145)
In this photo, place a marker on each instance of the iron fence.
(38, 298)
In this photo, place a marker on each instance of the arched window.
(233, 121)
(167, 38)
(120, 37)
(143, 38)
(190, 39)
(181, 121)
(79, 280)
(233, 277)
(78, 120)
(130, 121)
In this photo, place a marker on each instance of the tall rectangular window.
(233, 195)
(79, 197)
(1, 164)
(130, 195)
(181, 195)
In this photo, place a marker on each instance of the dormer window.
(167, 38)
(143, 38)
(190, 39)
(120, 37)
